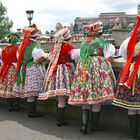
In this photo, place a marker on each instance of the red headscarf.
(130, 50)
(27, 33)
(25, 43)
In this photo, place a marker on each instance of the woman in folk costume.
(30, 69)
(128, 88)
(94, 79)
(8, 70)
(60, 72)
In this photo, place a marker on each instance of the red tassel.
(24, 44)
(125, 71)
(130, 80)
(5, 72)
(130, 50)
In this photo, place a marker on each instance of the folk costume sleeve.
(110, 51)
(123, 48)
(75, 54)
(38, 53)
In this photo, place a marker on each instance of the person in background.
(0, 57)
(8, 70)
(60, 72)
(128, 86)
(94, 80)
(30, 69)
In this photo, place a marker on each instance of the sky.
(48, 12)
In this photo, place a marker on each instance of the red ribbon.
(130, 50)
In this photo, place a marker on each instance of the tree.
(52, 32)
(5, 23)
(107, 28)
(47, 33)
(75, 27)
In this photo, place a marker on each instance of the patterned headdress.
(94, 29)
(32, 31)
(62, 35)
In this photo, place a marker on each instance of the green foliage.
(75, 27)
(47, 33)
(5, 22)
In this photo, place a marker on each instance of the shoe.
(85, 120)
(60, 117)
(95, 118)
(32, 113)
(10, 105)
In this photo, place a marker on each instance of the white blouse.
(74, 54)
(37, 53)
(123, 48)
(110, 51)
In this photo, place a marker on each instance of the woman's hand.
(110, 59)
(42, 59)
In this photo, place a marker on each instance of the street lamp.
(29, 15)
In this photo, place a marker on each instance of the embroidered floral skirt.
(128, 98)
(60, 85)
(33, 82)
(93, 85)
(7, 85)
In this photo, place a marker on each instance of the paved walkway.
(17, 126)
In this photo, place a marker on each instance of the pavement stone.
(17, 126)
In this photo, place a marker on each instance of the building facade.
(106, 18)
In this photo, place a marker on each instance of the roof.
(112, 13)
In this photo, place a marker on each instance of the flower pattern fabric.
(98, 85)
(6, 87)
(128, 98)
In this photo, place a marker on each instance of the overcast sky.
(48, 12)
